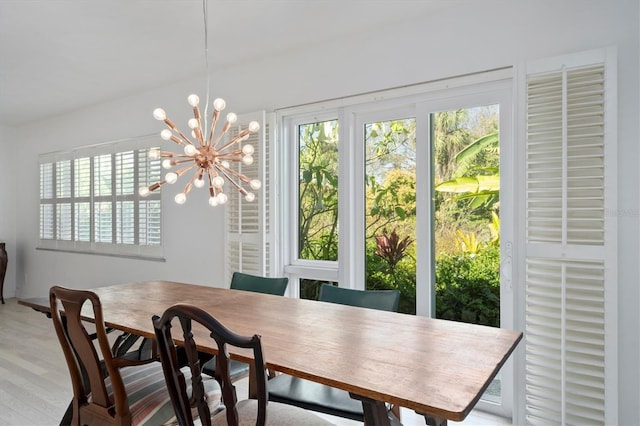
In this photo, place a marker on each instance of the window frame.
(48, 163)
(348, 268)
(294, 267)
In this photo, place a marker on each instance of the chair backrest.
(247, 282)
(88, 373)
(384, 300)
(176, 380)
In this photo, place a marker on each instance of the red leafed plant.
(391, 248)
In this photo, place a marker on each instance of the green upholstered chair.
(314, 396)
(384, 300)
(257, 284)
(256, 411)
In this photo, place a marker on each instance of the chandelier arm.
(157, 185)
(229, 157)
(233, 182)
(223, 132)
(187, 187)
(198, 128)
(239, 138)
(212, 189)
(185, 139)
(214, 121)
(211, 171)
(177, 140)
(185, 169)
(227, 171)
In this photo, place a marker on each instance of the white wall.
(476, 36)
(8, 185)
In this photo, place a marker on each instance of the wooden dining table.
(438, 368)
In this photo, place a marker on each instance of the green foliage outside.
(468, 286)
(402, 277)
(466, 210)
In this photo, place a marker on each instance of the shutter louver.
(46, 200)
(566, 357)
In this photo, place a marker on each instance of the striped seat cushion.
(149, 401)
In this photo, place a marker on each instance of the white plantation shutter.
(570, 261)
(247, 223)
(89, 199)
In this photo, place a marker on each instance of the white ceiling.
(60, 55)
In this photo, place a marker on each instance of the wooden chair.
(246, 412)
(314, 396)
(246, 282)
(107, 389)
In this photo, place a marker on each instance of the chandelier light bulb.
(193, 100)
(247, 160)
(193, 123)
(250, 196)
(247, 149)
(166, 134)
(254, 126)
(167, 164)
(232, 117)
(171, 178)
(225, 164)
(222, 198)
(219, 104)
(213, 201)
(190, 150)
(159, 114)
(218, 181)
(180, 198)
(255, 184)
(143, 191)
(198, 183)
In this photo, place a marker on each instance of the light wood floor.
(35, 388)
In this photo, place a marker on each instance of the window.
(89, 200)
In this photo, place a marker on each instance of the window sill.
(97, 253)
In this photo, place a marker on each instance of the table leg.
(3, 269)
(433, 421)
(376, 412)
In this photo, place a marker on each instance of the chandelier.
(206, 154)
